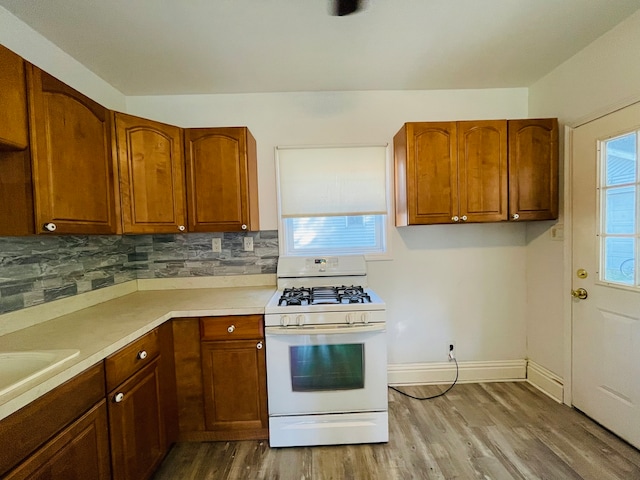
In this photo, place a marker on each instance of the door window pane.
(619, 254)
(621, 159)
(621, 210)
(619, 197)
(327, 367)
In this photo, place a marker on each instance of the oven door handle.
(322, 330)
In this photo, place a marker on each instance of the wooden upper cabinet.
(222, 180)
(151, 161)
(426, 164)
(73, 166)
(451, 172)
(533, 169)
(14, 132)
(482, 171)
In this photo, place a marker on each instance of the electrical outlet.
(451, 351)
(216, 245)
(248, 244)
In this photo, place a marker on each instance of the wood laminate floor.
(476, 431)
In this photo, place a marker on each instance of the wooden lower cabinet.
(79, 452)
(136, 425)
(235, 400)
(221, 378)
(24, 433)
(141, 401)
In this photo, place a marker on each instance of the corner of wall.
(35, 48)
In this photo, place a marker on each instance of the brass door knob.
(580, 293)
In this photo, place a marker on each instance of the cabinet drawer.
(233, 327)
(128, 360)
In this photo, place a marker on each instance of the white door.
(606, 243)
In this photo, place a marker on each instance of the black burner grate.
(323, 295)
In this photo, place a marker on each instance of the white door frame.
(568, 236)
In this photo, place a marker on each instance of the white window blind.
(330, 181)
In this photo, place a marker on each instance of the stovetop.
(309, 285)
(323, 295)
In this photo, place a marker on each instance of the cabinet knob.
(49, 227)
(231, 328)
(181, 228)
(142, 354)
(259, 346)
(455, 218)
(464, 218)
(515, 216)
(118, 397)
(244, 227)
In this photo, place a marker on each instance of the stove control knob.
(284, 320)
(300, 320)
(351, 317)
(365, 317)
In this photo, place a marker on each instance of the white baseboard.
(444, 372)
(546, 381)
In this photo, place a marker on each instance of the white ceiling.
(146, 47)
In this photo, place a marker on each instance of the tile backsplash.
(39, 269)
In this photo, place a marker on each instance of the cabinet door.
(482, 170)
(533, 169)
(136, 424)
(13, 98)
(431, 172)
(150, 157)
(222, 186)
(73, 168)
(79, 452)
(235, 390)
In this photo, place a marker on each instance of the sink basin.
(17, 368)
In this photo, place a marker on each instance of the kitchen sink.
(17, 368)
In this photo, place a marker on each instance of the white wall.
(604, 75)
(462, 283)
(29, 44)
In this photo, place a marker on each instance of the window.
(333, 200)
(619, 190)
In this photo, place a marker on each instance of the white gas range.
(325, 335)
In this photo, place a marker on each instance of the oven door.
(326, 369)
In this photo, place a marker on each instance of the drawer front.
(232, 327)
(128, 360)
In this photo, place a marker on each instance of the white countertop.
(102, 329)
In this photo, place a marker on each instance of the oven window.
(327, 367)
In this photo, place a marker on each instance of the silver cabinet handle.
(515, 216)
(464, 218)
(181, 228)
(455, 218)
(142, 354)
(244, 227)
(118, 397)
(231, 328)
(259, 346)
(50, 227)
